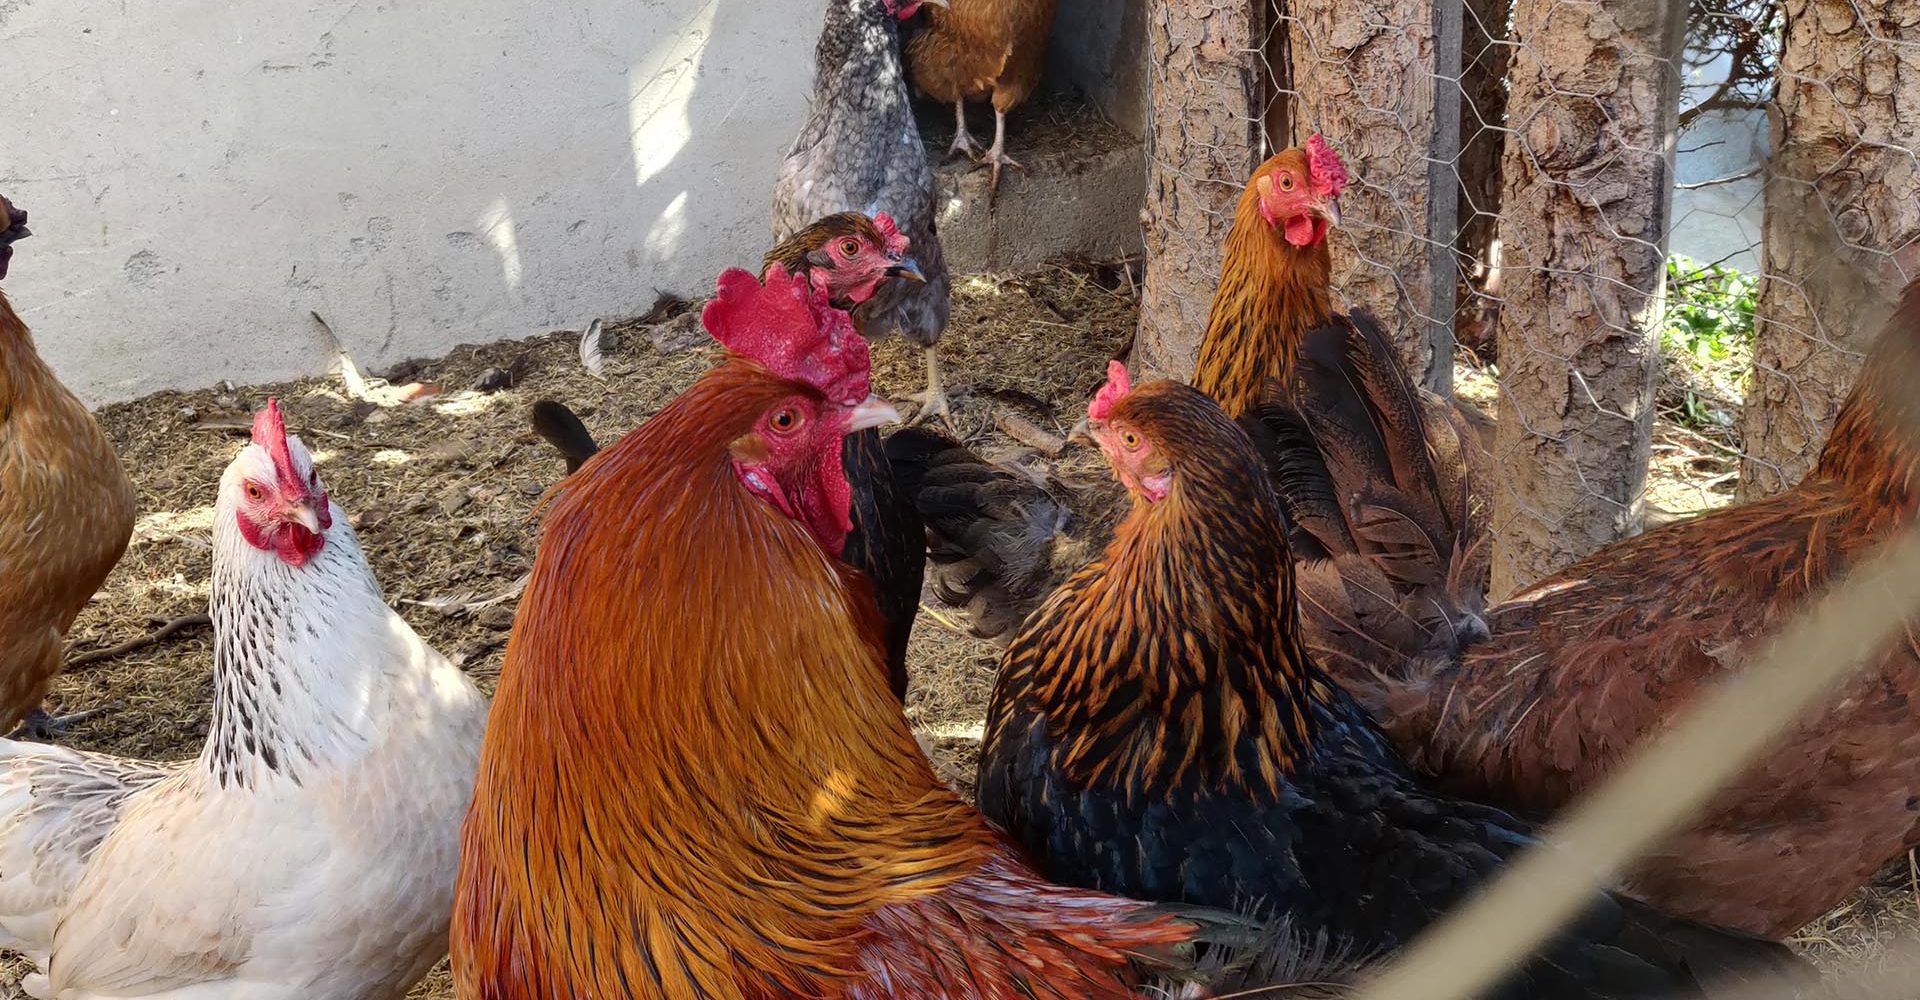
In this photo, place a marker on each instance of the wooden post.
(1202, 143)
(1378, 77)
(1589, 168)
(1843, 198)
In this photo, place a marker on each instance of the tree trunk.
(1843, 197)
(1375, 76)
(1483, 113)
(1584, 245)
(1203, 142)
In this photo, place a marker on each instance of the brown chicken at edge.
(1582, 665)
(66, 512)
(973, 49)
(696, 781)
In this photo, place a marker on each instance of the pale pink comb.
(897, 242)
(1119, 383)
(270, 433)
(788, 327)
(1329, 174)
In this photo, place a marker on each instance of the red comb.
(270, 433)
(787, 326)
(895, 240)
(1328, 173)
(1116, 389)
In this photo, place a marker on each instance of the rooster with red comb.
(696, 781)
(310, 850)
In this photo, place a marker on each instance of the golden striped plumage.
(1270, 294)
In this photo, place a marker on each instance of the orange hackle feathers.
(696, 782)
(1271, 293)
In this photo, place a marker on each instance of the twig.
(1024, 431)
(76, 663)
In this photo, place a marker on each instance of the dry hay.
(441, 491)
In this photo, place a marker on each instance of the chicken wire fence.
(1658, 239)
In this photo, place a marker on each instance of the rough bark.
(1483, 113)
(1588, 173)
(1843, 201)
(1202, 143)
(1375, 76)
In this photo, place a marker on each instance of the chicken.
(729, 802)
(853, 258)
(310, 850)
(860, 151)
(1585, 664)
(999, 541)
(1159, 730)
(974, 49)
(66, 512)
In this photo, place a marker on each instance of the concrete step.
(1080, 195)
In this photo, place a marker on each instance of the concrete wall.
(1100, 48)
(203, 173)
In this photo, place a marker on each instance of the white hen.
(310, 851)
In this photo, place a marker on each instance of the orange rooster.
(66, 512)
(696, 781)
(974, 49)
(1585, 664)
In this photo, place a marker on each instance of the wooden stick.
(77, 663)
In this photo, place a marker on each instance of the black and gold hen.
(1159, 730)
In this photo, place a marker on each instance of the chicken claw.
(933, 401)
(996, 155)
(41, 727)
(962, 144)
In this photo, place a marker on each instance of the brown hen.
(1585, 664)
(66, 511)
(974, 49)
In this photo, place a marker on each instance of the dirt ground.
(440, 492)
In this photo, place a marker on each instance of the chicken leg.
(962, 139)
(996, 156)
(933, 402)
(40, 727)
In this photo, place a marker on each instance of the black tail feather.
(994, 533)
(561, 428)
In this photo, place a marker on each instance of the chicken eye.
(1286, 182)
(785, 421)
(849, 248)
(1130, 439)
(255, 493)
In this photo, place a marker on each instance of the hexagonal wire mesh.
(1660, 315)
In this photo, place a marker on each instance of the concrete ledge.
(1080, 194)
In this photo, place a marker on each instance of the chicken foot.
(996, 155)
(962, 139)
(933, 402)
(41, 727)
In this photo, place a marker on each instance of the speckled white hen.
(310, 851)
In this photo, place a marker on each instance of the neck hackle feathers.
(1119, 383)
(1329, 174)
(788, 327)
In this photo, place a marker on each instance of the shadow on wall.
(422, 173)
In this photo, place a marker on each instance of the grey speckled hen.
(860, 151)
